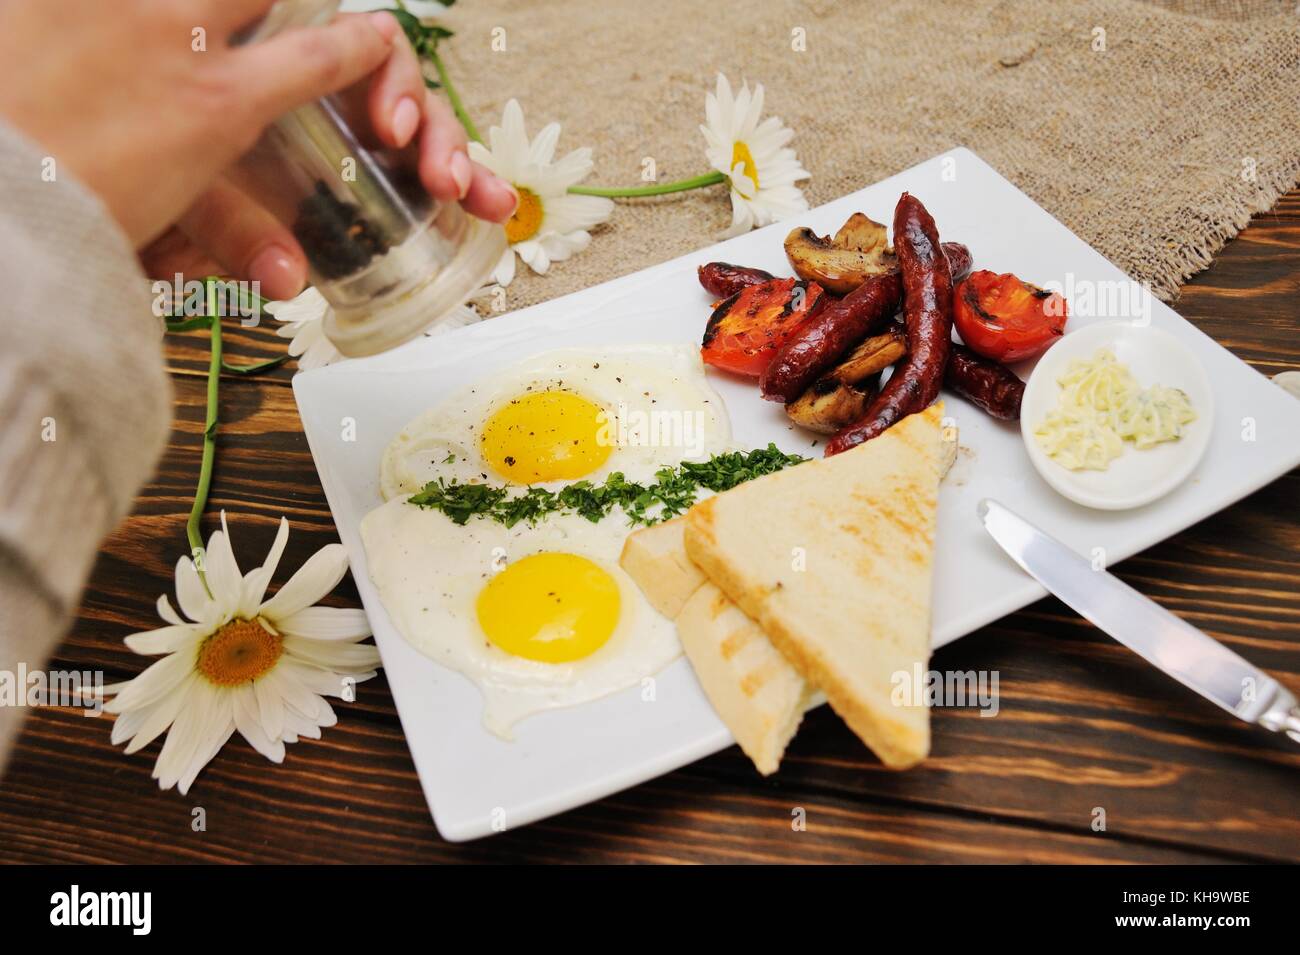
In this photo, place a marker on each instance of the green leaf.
(189, 324)
(411, 26)
(254, 368)
(424, 37)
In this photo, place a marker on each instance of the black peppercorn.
(337, 240)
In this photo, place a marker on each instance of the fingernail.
(513, 191)
(405, 118)
(386, 24)
(461, 172)
(276, 269)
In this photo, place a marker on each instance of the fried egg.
(562, 416)
(539, 616)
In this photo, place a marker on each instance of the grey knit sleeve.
(84, 397)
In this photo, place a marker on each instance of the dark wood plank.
(1082, 722)
(351, 798)
(1249, 299)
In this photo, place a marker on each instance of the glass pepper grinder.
(389, 258)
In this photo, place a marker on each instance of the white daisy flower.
(238, 663)
(550, 225)
(303, 320)
(753, 155)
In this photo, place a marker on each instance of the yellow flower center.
(527, 218)
(239, 652)
(742, 157)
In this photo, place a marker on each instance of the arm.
(84, 400)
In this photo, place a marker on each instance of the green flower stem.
(453, 97)
(658, 189)
(192, 530)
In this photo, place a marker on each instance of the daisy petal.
(160, 679)
(256, 582)
(504, 273)
(190, 592)
(215, 741)
(301, 726)
(161, 715)
(560, 247)
(128, 725)
(294, 693)
(310, 306)
(270, 711)
(190, 734)
(221, 571)
(542, 150)
(314, 579)
(534, 256)
(164, 639)
(339, 657)
(326, 623)
(245, 711)
(327, 682)
(166, 611)
(318, 354)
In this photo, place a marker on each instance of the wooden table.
(1083, 722)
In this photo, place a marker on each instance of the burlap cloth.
(1154, 141)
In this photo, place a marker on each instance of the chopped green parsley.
(674, 490)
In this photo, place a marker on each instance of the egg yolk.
(546, 436)
(552, 607)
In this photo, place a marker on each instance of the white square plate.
(477, 784)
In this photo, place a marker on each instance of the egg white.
(638, 386)
(429, 572)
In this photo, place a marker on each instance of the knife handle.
(1283, 715)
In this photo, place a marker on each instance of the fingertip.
(437, 179)
(406, 119)
(510, 198)
(462, 172)
(281, 273)
(490, 197)
(436, 173)
(385, 24)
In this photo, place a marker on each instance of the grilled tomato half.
(746, 329)
(1006, 319)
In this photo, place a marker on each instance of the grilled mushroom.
(828, 405)
(841, 263)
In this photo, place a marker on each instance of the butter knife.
(1191, 657)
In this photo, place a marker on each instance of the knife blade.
(1191, 657)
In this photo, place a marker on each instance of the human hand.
(127, 98)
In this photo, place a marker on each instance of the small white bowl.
(1135, 477)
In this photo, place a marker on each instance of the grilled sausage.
(927, 316)
(984, 382)
(959, 260)
(806, 355)
(818, 344)
(724, 279)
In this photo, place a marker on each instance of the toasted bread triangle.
(834, 560)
